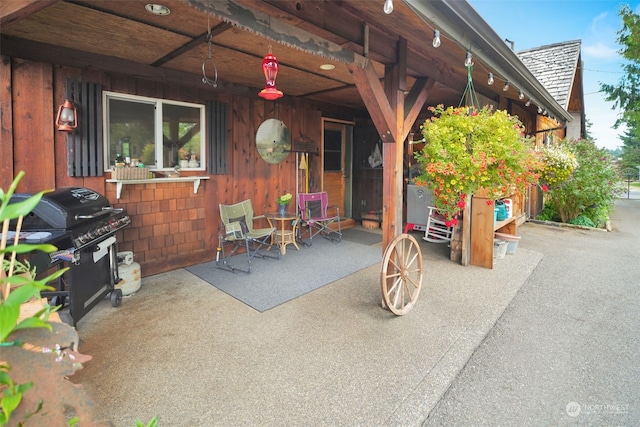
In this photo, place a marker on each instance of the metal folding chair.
(319, 217)
(237, 230)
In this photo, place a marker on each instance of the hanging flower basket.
(467, 150)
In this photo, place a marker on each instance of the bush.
(548, 214)
(592, 188)
(583, 221)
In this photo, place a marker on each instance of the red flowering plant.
(467, 149)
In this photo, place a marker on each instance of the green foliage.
(11, 395)
(630, 157)
(593, 187)
(37, 356)
(152, 423)
(466, 149)
(583, 221)
(597, 214)
(559, 164)
(548, 214)
(18, 288)
(625, 95)
(285, 199)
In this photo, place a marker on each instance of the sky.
(534, 23)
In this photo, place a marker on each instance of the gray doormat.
(276, 281)
(361, 236)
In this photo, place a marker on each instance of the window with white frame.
(158, 133)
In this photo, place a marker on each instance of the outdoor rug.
(275, 281)
(360, 236)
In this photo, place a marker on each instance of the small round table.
(284, 235)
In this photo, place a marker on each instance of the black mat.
(276, 281)
(361, 236)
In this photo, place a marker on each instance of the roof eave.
(461, 22)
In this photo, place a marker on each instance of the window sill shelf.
(120, 182)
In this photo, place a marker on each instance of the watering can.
(501, 211)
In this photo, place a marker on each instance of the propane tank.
(129, 272)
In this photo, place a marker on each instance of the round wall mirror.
(273, 141)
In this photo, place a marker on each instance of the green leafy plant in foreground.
(36, 356)
(152, 423)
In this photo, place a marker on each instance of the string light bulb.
(506, 86)
(388, 6)
(490, 80)
(539, 110)
(436, 38)
(526, 104)
(521, 95)
(467, 60)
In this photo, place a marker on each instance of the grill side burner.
(82, 225)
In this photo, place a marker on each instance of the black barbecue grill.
(82, 225)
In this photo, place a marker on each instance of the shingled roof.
(555, 67)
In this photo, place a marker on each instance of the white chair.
(437, 230)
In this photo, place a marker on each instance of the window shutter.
(218, 137)
(85, 151)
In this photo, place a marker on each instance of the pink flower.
(545, 188)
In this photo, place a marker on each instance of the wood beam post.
(393, 121)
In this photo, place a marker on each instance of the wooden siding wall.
(171, 226)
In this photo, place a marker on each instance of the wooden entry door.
(334, 153)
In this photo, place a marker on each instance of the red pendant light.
(270, 70)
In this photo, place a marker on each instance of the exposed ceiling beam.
(277, 30)
(375, 99)
(414, 102)
(203, 38)
(14, 10)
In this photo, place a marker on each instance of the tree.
(631, 149)
(626, 94)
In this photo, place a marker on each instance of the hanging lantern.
(67, 118)
(270, 70)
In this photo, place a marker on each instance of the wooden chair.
(237, 230)
(437, 230)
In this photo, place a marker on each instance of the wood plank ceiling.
(115, 34)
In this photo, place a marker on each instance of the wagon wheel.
(401, 274)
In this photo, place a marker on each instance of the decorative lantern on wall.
(270, 70)
(67, 118)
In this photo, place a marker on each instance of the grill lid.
(64, 208)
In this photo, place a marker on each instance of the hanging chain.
(205, 79)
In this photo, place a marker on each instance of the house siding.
(171, 225)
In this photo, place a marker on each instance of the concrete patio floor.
(186, 352)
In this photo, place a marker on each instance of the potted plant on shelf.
(469, 150)
(283, 201)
